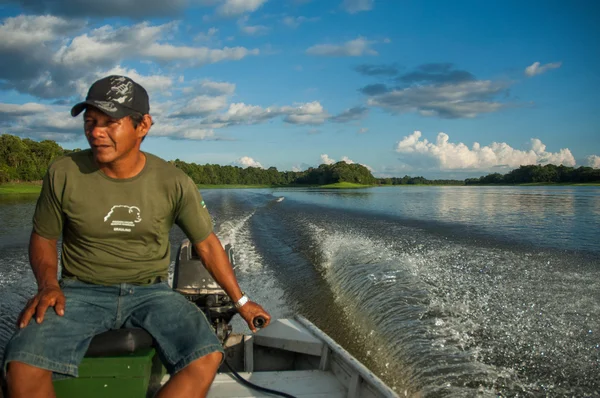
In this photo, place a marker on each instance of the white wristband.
(243, 300)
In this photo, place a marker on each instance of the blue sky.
(434, 88)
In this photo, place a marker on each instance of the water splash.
(455, 318)
(386, 277)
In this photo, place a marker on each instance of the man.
(114, 206)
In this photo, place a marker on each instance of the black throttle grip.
(259, 322)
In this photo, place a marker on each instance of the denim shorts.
(180, 329)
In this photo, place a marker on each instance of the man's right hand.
(49, 296)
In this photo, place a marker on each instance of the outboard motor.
(193, 281)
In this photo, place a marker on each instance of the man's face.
(110, 139)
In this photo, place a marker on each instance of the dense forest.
(27, 160)
(537, 173)
(324, 174)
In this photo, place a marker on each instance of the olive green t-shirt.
(117, 230)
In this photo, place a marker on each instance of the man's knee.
(18, 369)
(205, 365)
(19, 378)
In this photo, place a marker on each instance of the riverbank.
(540, 184)
(24, 188)
(345, 185)
(230, 186)
(582, 184)
(339, 185)
(21, 188)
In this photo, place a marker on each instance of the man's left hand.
(251, 311)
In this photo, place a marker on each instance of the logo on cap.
(121, 90)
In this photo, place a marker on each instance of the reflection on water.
(540, 215)
(464, 204)
(16, 222)
(566, 217)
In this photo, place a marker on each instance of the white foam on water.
(364, 278)
(236, 232)
(254, 278)
(17, 285)
(460, 318)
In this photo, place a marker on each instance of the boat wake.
(443, 317)
(432, 315)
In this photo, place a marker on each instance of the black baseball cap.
(117, 96)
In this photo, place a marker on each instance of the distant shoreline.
(21, 188)
(29, 188)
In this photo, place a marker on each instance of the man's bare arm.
(43, 257)
(217, 263)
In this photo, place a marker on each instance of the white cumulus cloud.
(450, 156)
(594, 161)
(350, 161)
(309, 113)
(325, 159)
(537, 69)
(247, 161)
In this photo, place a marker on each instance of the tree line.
(24, 160)
(538, 173)
(322, 175)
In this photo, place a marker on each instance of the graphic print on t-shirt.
(123, 217)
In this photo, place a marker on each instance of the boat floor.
(299, 383)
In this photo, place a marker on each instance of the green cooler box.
(118, 364)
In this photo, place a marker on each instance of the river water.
(441, 291)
